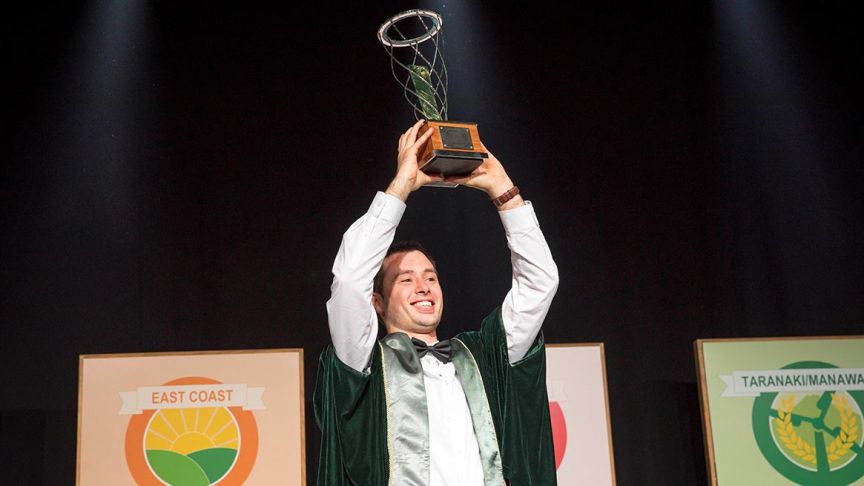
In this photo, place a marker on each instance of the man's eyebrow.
(403, 272)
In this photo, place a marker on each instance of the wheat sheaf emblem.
(844, 441)
(838, 448)
(786, 431)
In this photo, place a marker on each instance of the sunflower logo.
(193, 446)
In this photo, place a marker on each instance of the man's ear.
(378, 303)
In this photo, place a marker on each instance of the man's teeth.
(425, 303)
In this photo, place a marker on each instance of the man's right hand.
(408, 176)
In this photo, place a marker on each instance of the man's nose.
(421, 287)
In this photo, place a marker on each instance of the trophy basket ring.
(413, 40)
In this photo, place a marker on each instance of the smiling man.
(414, 301)
(411, 409)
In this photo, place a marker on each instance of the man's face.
(410, 299)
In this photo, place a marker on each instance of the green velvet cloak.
(351, 411)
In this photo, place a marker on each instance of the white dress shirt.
(453, 449)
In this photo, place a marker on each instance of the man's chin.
(417, 323)
(429, 322)
(426, 326)
(416, 329)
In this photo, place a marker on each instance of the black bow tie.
(440, 350)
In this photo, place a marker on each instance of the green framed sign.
(781, 411)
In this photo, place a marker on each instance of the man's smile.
(424, 306)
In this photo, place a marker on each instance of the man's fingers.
(461, 180)
(404, 137)
(465, 179)
(420, 141)
(425, 178)
(412, 133)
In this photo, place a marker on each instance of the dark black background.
(178, 178)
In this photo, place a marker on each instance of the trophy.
(413, 41)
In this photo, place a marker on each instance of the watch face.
(455, 138)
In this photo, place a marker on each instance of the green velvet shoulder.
(518, 402)
(351, 414)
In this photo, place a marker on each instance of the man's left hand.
(491, 178)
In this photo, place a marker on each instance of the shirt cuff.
(386, 207)
(519, 219)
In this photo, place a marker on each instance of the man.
(410, 410)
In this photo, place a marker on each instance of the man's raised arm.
(352, 319)
(535, 280)
(350, 315)
(535, 275)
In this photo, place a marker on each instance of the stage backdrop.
(579, 406)
(783, 411)
(232, 417)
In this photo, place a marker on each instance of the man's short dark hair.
(403, 246)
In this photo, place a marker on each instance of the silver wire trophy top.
(413, 39)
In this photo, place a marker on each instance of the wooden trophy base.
(453, 149)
